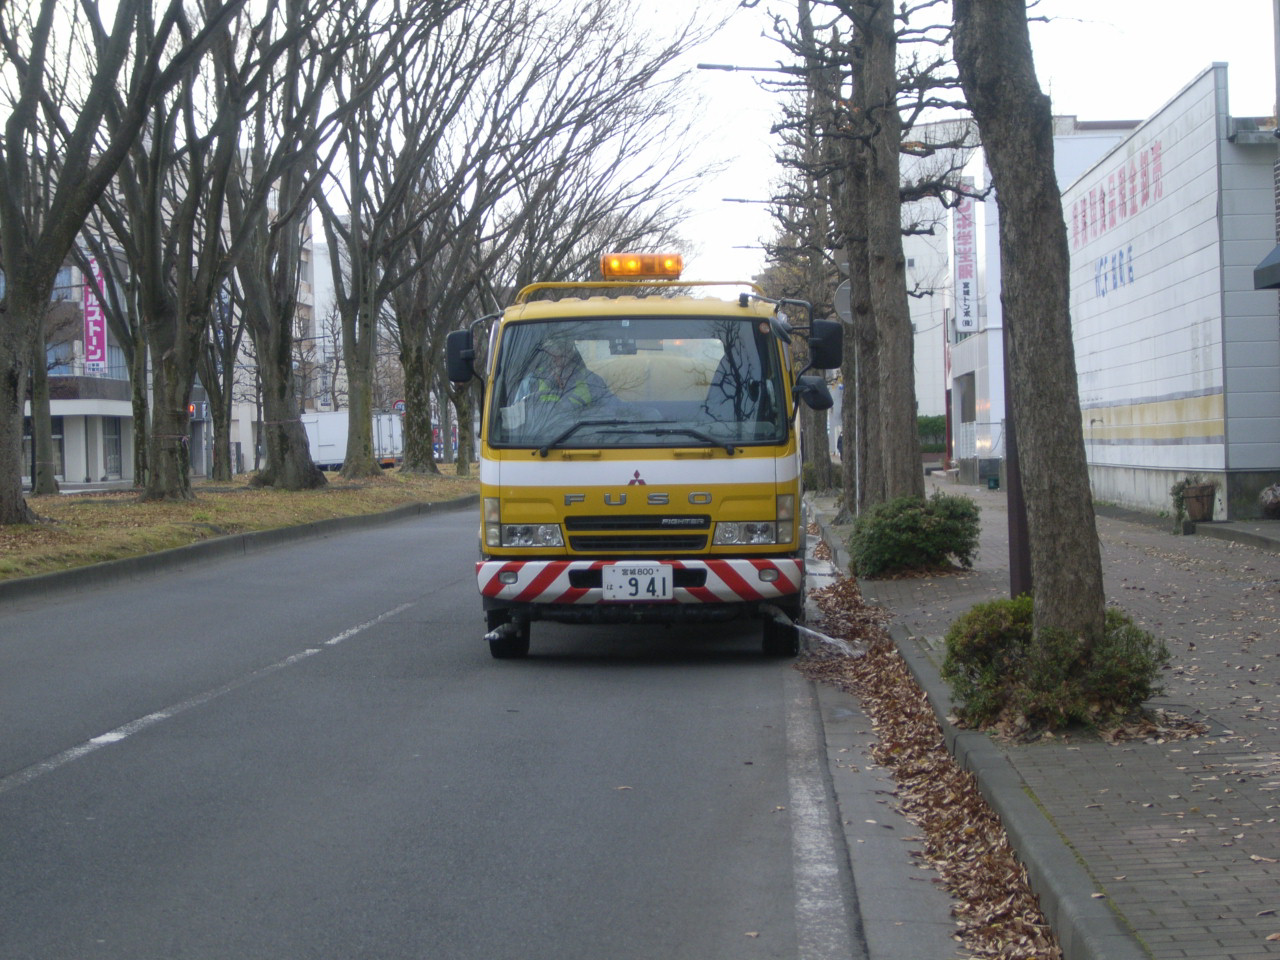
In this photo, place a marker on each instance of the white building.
(91, 405)
(1178, 356)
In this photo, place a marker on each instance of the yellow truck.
(639, 456)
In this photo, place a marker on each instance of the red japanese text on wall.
(1118, 195)
(965, 260)
(95, 321)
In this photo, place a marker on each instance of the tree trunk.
(220, 414)
(445, 410)
(993, 52)
(141, 414)
(289, 465)
(817, 447)
(357, 347)
(169, 452)
(903, 471)
(218, 387)
(462, 407)
(14, 357)
(419, 454)
(45, 481)
(864, 463)
(866, 350)
(175, 337)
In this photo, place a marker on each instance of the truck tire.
(508, 647)
(780, 640)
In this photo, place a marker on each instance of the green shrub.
(933, 429)
(913, 534)
(998, 670)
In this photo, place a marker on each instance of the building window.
(62, 286)
(112, 460)
(28, 448)
(967, 388)
(60, 357)
(117, 369)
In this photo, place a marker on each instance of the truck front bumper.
(578, 582)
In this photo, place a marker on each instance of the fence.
(979, 440)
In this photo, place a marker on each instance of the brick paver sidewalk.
(1182, 836)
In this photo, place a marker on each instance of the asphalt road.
(308, 753)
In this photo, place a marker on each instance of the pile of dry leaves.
(995, 909)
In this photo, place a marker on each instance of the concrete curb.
(1087, 926)
(1226, 531)
(239, 544)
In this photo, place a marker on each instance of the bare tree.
(217, 368)
(483, 121)
(57, 111)
(865, 92)
(900, 445)
(586, 181)
(100, 249)
(387, 140)
(293, 146)
(993, 52)
(169, 204)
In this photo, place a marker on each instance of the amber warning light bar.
(641, 266)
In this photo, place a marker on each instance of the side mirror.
(459, 355)
(826, 345)
(814, 392)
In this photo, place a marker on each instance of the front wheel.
(780, 640)
(512, 645)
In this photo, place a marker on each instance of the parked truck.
(327, 438)
(639, 455)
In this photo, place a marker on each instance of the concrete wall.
(1178, 357)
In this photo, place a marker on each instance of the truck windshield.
(637, 381)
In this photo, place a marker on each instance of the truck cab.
(639, 457)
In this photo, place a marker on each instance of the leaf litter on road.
(997, 914)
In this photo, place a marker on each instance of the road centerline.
(126, 730)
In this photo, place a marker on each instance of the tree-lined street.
(311, 753)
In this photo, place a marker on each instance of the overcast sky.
(1097, 59)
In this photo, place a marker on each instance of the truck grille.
(670, 523)
(614, 533)
(630, 542)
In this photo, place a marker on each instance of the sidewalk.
(1169, 849)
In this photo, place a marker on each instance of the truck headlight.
(492, 526)
(531, 535)
(745, 532)
(786, 517)
(758, 532)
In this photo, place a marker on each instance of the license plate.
(634, 582)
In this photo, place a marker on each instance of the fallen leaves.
(997, 914)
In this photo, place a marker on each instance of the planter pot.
(1199, 502)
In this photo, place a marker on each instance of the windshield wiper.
(569, 431)
(634, 426)
(697, 435)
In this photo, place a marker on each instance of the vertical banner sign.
(964, 258)
(95, 322)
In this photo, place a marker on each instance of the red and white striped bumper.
(727, 581)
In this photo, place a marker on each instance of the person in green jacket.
(561, 381)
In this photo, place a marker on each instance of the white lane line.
(124, 731)
(822, 918)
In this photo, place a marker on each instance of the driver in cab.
(560, 380)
